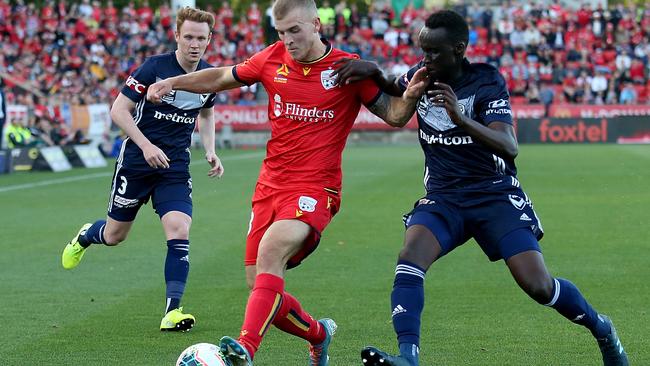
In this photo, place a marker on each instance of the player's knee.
(269, 261)
(408, 253)
(539, 289)
(178, 230)
(415, 252)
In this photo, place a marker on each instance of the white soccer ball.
(201, 354)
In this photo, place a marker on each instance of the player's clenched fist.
(157, 90)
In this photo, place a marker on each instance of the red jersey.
(310, 116)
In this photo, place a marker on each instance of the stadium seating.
(81, 53)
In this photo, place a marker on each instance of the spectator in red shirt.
(637, 71)
(584, 15)
(145, 13)
(569, 88)
(164, 14)
(254, 16)
(225, 14)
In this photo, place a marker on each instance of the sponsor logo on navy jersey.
(440, 139)
(499, 103)
(498, 111)
(499, 106)
(426, 201)
(123, 202)
(174, 117)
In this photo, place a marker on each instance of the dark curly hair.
(452, 22)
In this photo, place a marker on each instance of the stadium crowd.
(80, 53)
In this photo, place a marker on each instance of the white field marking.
(50, 182)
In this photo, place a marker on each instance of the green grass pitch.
(594, 202)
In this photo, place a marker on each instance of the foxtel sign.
(578, 132)
(582, 130)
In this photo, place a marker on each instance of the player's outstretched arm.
(206, 131)
(397, 111)
(210, 80)
(121, 114)
(348, 70)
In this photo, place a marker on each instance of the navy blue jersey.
(453, 160)
(168, 125)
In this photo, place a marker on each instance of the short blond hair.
(194, 15)
(282, 7)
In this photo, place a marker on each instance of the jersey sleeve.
(210, 102)
(404, 80)
(250, 71)
(493, 102)
(135, 87)
(369, 92)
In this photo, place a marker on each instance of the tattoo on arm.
(381, 108)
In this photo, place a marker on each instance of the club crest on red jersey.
(277, 105)
(327, 79)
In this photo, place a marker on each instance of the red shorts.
(315, 206)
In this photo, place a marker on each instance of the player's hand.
(417, 85)
(216, 168)
(155, 157)
(349, 70)
(157, 90)
(443, 95)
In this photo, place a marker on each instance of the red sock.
(291, 318)
(263, 304)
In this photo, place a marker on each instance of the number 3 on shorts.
(122, 188)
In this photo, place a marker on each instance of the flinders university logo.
(300, 113)
(327, 79)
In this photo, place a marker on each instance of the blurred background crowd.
(80, 53)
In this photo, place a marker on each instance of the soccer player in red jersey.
(298, 189)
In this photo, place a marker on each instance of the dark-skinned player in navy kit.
(466, 134)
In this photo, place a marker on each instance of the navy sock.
(94, 234)
(177, 267)
(569, 302)
(407, 301)
(172, 303)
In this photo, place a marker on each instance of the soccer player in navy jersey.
(154, 160)
(466, 133)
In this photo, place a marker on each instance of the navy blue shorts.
(168, 191)
(487, 216)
